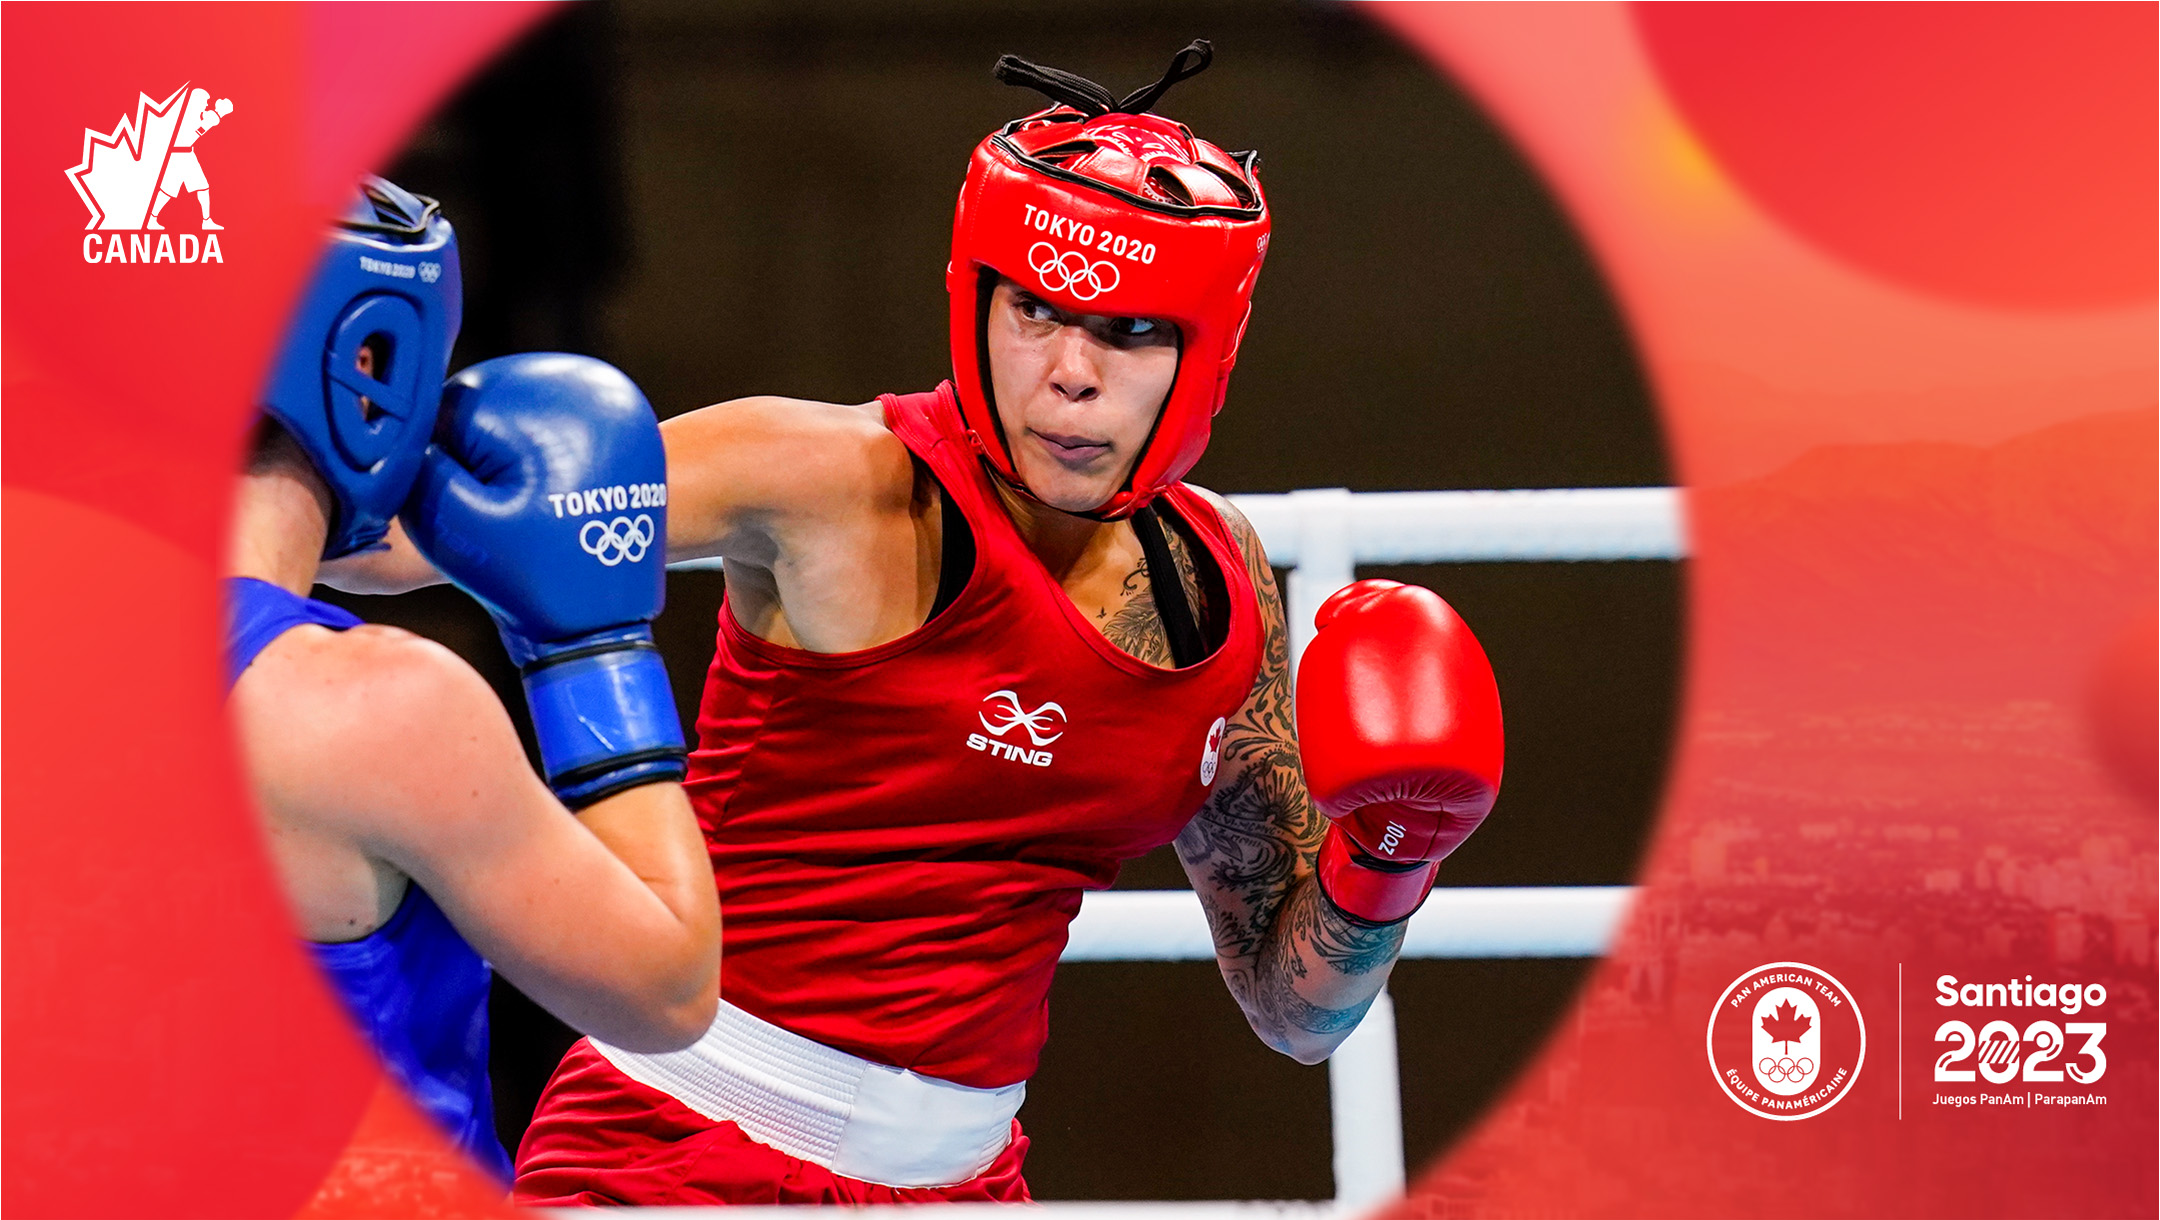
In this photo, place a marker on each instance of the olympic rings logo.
(1071, 272)
(616, 541)
(1779, 1071)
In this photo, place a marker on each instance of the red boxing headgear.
(1099, 208)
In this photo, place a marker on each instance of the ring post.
(1365, 1094)
(1326, 559)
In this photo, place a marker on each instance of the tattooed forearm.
(1251, 807)
(1348, 947)
(1289, 1010)
(1295, 955)
(1236, 845)
(1302, 972)
(1315, 949)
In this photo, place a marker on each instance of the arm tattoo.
(1274, 983)
(1262, 736)
(1282, 1003)
(1350, 948)
(1237, 839)
(1251, 848)
(1265, 726)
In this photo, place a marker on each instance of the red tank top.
(901, 835)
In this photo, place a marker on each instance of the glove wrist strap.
(1369, 891)
(604, 713)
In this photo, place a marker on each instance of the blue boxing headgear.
(388, 283)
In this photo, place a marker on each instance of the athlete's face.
(1076, 393)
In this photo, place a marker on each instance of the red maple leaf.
(1786, 1024)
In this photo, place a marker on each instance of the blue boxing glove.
(544, 496)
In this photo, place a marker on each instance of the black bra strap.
(956, 558)
(1170, 604)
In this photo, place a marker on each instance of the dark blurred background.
(757, 198)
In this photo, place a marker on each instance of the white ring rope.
(1465, 922)
(1571, 524)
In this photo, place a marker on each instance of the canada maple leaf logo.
(1786, 1024)
(120, 168)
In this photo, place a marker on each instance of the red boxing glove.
(1398, 718)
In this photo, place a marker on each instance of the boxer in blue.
(415, 844)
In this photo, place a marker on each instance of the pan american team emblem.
(1786, 1041)
(130, 175)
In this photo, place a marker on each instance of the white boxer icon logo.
(1071, 272)
(129, 174)
(1036, 722)
(618, 540)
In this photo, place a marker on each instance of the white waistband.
(860, 1119)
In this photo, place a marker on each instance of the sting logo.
(1005, 713)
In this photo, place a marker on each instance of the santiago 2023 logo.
(129, 176)
(1786, 1041)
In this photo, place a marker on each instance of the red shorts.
(600, 1138)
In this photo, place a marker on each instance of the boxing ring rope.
(1321, 536)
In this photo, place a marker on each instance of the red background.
(1890, 268)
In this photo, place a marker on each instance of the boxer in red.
(980, 646)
